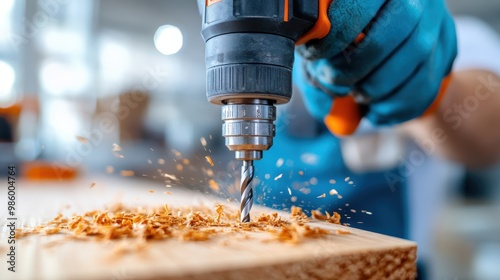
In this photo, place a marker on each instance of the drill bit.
(246, 190)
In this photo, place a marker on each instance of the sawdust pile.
(185, 224)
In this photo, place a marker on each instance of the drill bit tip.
(247, 173)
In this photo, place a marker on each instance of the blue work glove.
(393, 54)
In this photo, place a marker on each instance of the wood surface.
(358, 255)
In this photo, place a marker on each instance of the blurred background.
(85, 84)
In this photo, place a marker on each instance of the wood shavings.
(176, 153)
(335, 219)
(169, 193)
(196, 235)
(310, 159)
(272, 219)
(322, 196)
(127, 173)
(209, 160)
(52, 230)
(295, 232)
(82, 139)
(333, 192)
(92, 185)
(298, 215)
(208, 171)
(288, 234)
(332, 182)
(185, 161)
(305, 190)
(203, 141)
(278, 177)
(151, 191)
(119, 222)
(289, 191)
(313, 181)
(110, 169)
(179, 167)
(167, 210)
(219, 208)
(280, 162)
(316, 214)
(116, 149)
(171, 177)
(213, 185)
(347, 179)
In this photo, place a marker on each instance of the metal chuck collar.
(248, 127)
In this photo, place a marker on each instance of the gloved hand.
(394, 54)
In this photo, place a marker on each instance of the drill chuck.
(248, 127)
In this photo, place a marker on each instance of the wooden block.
(358, 255)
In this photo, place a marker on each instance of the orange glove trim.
(442, 92)
(322, 25)
(344, 117)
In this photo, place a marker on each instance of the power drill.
(249, 53)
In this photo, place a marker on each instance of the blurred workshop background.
(78, 76)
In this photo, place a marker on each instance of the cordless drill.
(249, 53)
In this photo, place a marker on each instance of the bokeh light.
(7, 79)
(168, 39)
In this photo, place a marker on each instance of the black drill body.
(250, 46)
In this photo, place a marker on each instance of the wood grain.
(359, 255)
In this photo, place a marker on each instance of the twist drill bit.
(246, 190)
